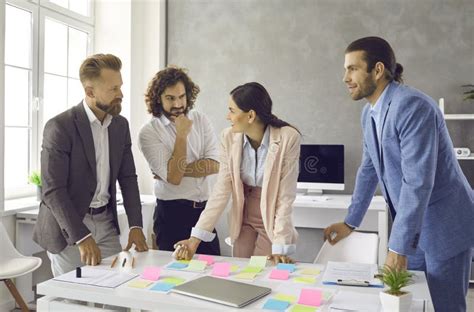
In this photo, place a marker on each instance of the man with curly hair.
(180, 147)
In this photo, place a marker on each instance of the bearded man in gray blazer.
(85, 151)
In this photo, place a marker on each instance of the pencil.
(114, 261)
(133, 262)
(123, 263)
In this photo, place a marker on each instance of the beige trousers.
(253, 239)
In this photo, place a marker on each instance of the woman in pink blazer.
(259, 167)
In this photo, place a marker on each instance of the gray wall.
(296, 49)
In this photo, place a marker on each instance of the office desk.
(321, 214)
(144, 299)
(25, 221)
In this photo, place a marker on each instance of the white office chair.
(13, 264)
(357, 247)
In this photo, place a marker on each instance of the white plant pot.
(391, 303)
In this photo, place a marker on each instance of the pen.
(352, 282)
(133, 262)
(123, 263)
(114, 261)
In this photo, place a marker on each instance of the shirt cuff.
(136, 227)
(203, 235)
(350, 225)
(396, 252)
(279, 249)
(83, 239)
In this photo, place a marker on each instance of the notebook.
(231, 293)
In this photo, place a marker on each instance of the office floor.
(470, 300)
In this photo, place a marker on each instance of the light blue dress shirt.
(253, 161)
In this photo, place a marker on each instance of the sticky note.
(173, 280)
(196, 265)
(139, 283)
(246, 275)
(184, 261)
(279, 274)
(309, 271)
(251, 269)
(305, 280)
(284, 297)
(286, 266)
(258, 261)
(275, 305)
(207, 258)
(302, 308)
(310, 297)
(151, 273)
(162, 287)
(221, 269)
(234, 268)
(177, 266)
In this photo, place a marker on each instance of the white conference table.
(144, 299)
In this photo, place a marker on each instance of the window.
(45, 43)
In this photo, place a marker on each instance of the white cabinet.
(457, 117)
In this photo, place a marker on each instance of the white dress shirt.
(253, 161)
(156, 142)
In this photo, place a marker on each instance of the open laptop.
(222, 291)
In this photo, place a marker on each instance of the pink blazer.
(278, 189)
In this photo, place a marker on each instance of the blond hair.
(92, 66)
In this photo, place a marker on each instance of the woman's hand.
(185, 249)
(280, 259)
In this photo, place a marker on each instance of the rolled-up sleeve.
(211, 146)
(155, 151)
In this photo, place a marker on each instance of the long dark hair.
(378, 50)
(253, 96)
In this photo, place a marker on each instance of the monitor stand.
(313, 192)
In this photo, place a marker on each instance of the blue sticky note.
(177, 265)
(286, 266)
(276, 305)
(162, 287)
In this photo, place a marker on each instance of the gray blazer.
(68, 172)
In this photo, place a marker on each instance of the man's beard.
(366, 89)
(174, 112)
(114, 108)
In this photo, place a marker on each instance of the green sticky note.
(246, 275)
(284, 297)
(305, 280)
(309, 271)
(173, 280)
(139, 283)
(250, 269)
(196, 265)
(302, 308)
(258, 261)
(234, 268)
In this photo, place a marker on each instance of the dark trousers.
(172, 222)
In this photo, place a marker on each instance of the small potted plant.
(35, 178)
(469, 94)
(394, 299)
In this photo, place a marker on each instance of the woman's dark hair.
(253, 96)
(163, 79)
(378, 50)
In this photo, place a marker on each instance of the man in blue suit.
(408, 151)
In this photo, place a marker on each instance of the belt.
(186, 202)
(94, 211)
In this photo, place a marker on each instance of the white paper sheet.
(97, 277)
(348, 272)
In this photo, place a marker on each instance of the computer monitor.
(321, 168)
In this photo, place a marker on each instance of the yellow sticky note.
(139, 283)
(251, 269)
(305, 280)
(258, 261)
(302, 308)
(196, 265)
(184, 261)
(309, 271)
(284, 297)
(246, 275)
(234, 268)
(173, 280)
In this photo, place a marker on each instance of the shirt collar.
(164, 120)
(377, 108)
(265, 139)
(93, 118)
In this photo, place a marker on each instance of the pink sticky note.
(221, 269)
(209, 259)
(151, 273)
(279, 274)
(311, 297)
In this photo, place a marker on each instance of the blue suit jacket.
(418, 171)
